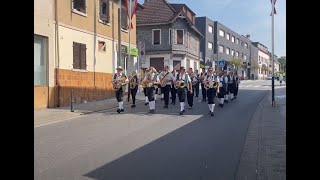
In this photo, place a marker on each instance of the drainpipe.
(57, 50)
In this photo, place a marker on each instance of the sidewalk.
(264, 151)
(45, 116)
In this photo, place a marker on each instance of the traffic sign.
(222, 63)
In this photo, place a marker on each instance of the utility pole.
(273, 100)
(119, 34)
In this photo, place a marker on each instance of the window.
(237, 54)
(245, 57)
(232, 39)
(156, 36)
(246, 45)
(170, 36)
(241, 43)
(40, 60)
(221, 32)
(227, 50)
(228, 36)
(104, 11)
(101, 46)
(210, 45)
(232, 52)
(179, 36)
(79, 6)
(210, 29)
(195, 65)
(221, 49)
(79, 56)
(237, 42)
(124, 18)
(241, 55)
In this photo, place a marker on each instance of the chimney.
(248, 36)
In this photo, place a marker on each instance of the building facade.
(263, 60)
(220, 42)
(170, 39)
(85, 48)
(44, 53)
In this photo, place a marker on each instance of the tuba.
(117, 83)
(149, 81)
(211, 84)
(133, 81)
(163, 81)
(179, 84)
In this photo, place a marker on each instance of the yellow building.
(86, 48)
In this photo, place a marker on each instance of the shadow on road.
(206, 148)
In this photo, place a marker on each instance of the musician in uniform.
(222, 88)
(182, 82)
(197, 84)
(232, 85)
(211, 91)
(120, 80)
(226, 79)
(204, 91)
(133, 84)
(190, 91)
(166, 83)
(173, 89)
(152, 80)
(145, 88)
(237, 82)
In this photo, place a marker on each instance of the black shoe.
(212, 114)
(122, 110)
(133, 106)
(146, 103)
(226, 101)
(161, 99)
(151, 111)
(196, 95)
(222, 105)
(235, 97)
(209, 112)
(232, 99)
(118, 110)
(166, 106)
(181, 113)
(190, 107)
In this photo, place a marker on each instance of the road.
(138, 145)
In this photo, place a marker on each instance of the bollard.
(72, 101)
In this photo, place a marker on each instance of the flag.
(131, 11)
(275, 12)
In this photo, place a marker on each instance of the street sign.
(222, 63)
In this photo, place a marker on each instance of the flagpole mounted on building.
(273, 2)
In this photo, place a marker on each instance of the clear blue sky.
(245, 17)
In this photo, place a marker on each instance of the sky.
(245, 17)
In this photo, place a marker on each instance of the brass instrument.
(117, 84)
(149, 81)
(194, 80)
(133, 82)
(163, 81)
(211, 84)
(179, 84)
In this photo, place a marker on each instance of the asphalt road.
(138, 145)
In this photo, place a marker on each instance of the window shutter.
(76, 55)
(83, 57)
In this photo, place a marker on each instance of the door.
(41, 89)
(157, 63)
(176, 65)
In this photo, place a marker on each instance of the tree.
(202, 66)
(254, 66)
(264, 68)
(282, 61)
(237, 63)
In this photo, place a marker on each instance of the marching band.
(184, 84)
